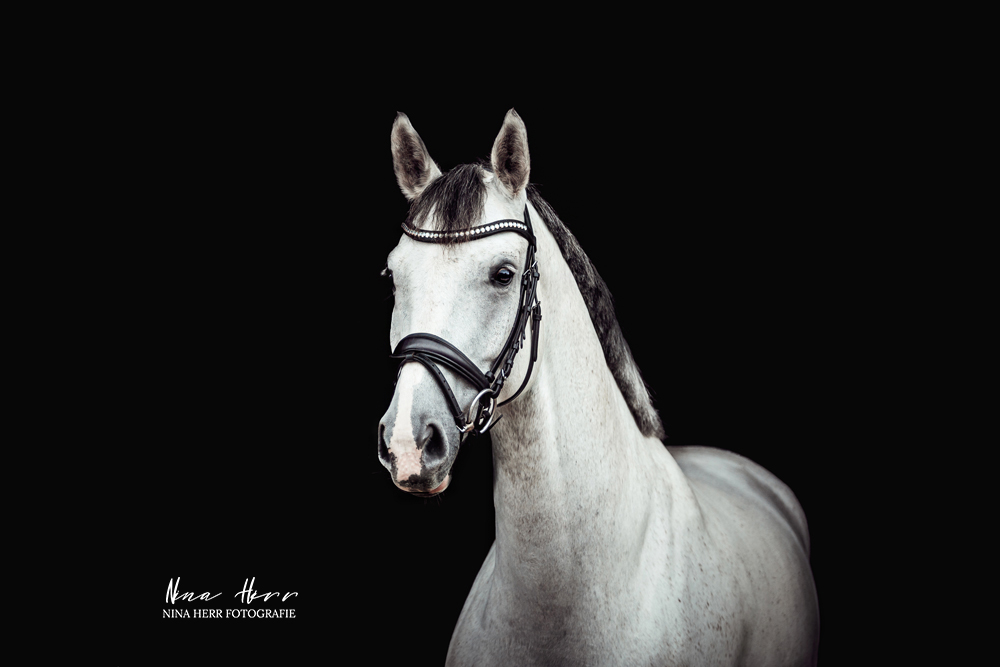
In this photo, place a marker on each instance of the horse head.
(461, 308)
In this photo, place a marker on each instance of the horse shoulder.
(759, 534)
(743, 480)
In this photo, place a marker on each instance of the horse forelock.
(456, 200)
(453, 202)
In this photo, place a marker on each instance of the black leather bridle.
(431, 350)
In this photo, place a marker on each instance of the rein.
(431, 350)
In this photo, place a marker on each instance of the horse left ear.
(509, 158)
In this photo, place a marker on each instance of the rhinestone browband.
(470, 234)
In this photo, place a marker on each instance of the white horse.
(610, 549)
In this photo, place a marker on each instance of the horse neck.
(571, 468)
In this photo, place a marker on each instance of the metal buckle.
(484, 428)
(470, 420)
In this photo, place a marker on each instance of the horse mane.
(457, 200)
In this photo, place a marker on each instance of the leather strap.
(536, 322)
(441, 351)
(449, 395)
(482, 231)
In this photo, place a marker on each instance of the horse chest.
(653, 619)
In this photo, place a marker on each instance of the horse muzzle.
(422, 464)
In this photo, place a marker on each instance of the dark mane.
(457, 200)
(602, 314)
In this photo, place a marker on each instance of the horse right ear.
(410, 160)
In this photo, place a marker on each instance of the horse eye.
(504, 276)
(386, 273)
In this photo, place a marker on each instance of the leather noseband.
(431, 350)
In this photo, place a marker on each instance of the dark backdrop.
(251, 337)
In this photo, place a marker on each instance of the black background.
(251, 217)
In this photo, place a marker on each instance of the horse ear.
(510, 154)
(410, 160)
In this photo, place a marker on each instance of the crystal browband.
(470, 234)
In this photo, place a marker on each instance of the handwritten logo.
(247, 596)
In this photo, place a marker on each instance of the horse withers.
(610, 549)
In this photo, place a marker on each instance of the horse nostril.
(383, 451)
(434, 446)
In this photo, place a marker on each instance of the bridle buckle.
(472, 422)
